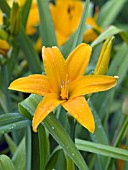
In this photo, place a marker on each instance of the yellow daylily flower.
(4, 47)
(64, 84)
(66, 17)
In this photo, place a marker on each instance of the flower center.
(64, 88)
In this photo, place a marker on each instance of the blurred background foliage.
(52, 147)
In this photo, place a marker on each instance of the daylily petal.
(90, 35)
(79, 109)
(78, 60)
(55, 66)
(47, 104)
(61, 38)
(33, 19)
(91, 84)
(66, 16)
(36, 83)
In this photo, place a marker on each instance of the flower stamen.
(64, 88)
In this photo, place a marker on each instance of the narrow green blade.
(105, 150)
(106, 18)
(12, 121)
(6, 163)
(46, 26)
(77, 37)
(112, 30)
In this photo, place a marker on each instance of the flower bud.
(3, 34)
(15, 18)
(4, 47)
(104, 58)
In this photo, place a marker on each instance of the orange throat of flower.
(64, 88)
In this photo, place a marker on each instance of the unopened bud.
(3, 34)
(4, 47)
(15, 18)
(104, 58)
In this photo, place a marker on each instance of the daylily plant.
(66, 17)
(65, 84)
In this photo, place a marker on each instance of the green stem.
(35, 162)
(43, 146)
(28, 148)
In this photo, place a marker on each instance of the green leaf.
(77, 37)
(57, 160)
(126, 163)
(43, 146)
(55, 129)
(82, 26)
(106, 18)
(4, 86)
(29, 51)
(12, 121)
(70, 163)
(46, 26)
(12, 60)
(118, 139)
(99, 136)
(123, 69)
(118, 59)
(105, 150)
(11, 144)
(5, 7)
(6, 163)
(19, 158)
(3, 101)
(109, 32)
(25, 11)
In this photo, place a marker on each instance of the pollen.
(64, 88)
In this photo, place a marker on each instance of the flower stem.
(35, 162)
(28, 147)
